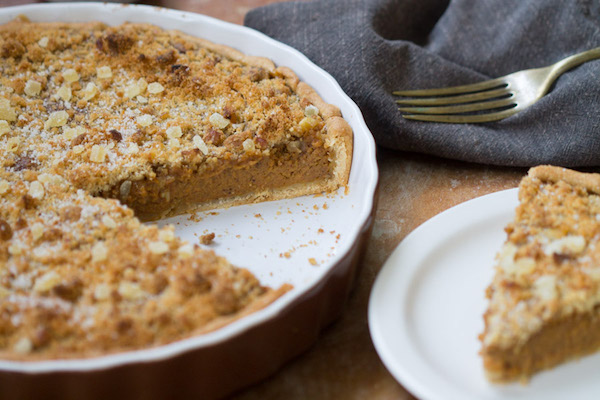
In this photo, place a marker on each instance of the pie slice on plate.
(544, 300)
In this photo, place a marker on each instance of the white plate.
(259, 237)
(426, 307)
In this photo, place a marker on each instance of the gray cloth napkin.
(373, 47)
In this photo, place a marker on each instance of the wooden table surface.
(343, 363)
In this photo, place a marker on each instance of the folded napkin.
(373, 47)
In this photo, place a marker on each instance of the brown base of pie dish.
(209, 372)
(561, 340)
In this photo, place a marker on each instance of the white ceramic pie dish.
(259, 237)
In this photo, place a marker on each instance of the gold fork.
(490, 100)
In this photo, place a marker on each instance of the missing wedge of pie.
(103, 127)
(544, 300)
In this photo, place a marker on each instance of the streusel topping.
(103, 105)
(81, 276)
(549, 267)
(84, 109)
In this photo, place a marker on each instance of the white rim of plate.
(308, 71)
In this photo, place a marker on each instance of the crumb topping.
(101, 105)
(85, 108)
(64, 293)
(549, 267)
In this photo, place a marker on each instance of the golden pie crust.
(544, 300)
(101, 127)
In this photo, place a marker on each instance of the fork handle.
(570, 62)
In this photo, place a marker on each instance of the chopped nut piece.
(7, 113)
(47, 179)
(155, 88)
(90, 91)
(218, 121)
(70, 75)
(199, 143)
(56, 119)
(46, 282)
(545, 287)
(78, 149)
(4, 186)
(166, 235)
(186, 251)
(37, 231)
(142, 84)
(23, 346)
(13, 144)
(98, 153)
(72, 133)
(4, 128)
(158, 247)
(64, 92)
(33, 88)
(141, 99)
(570, 244)
(308, 123)
(43, 42)
(174, 132)
(131, 291)
(125, 188)
(132, 91)
(311, 111)
(102, 292)
(115, 135)
(133, 148)
(173, 143)
(99, 252)
(15, 249)
(144, 120)
(248, 145)
(109, 222)
(6, 231)
(36, 190)
(104, 72)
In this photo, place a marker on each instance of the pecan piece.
(138, 137)
(115, 43)
(71, 213)
(179, 68)
(25, 162)
(29, 202)
(6, 232)
(78, 140)
(166, 58)
(115, 135)
(70, 291)
(215, 137)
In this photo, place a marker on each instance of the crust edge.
(550, 173)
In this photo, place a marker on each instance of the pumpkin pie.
(544, 299)
(102, 127)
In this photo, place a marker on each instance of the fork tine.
(474, 87)
(486, 105)
(465, 98)
(463, 119)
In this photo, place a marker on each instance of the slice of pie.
(163, 121)
(544, 301)
(101, 127)
(80, 276)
